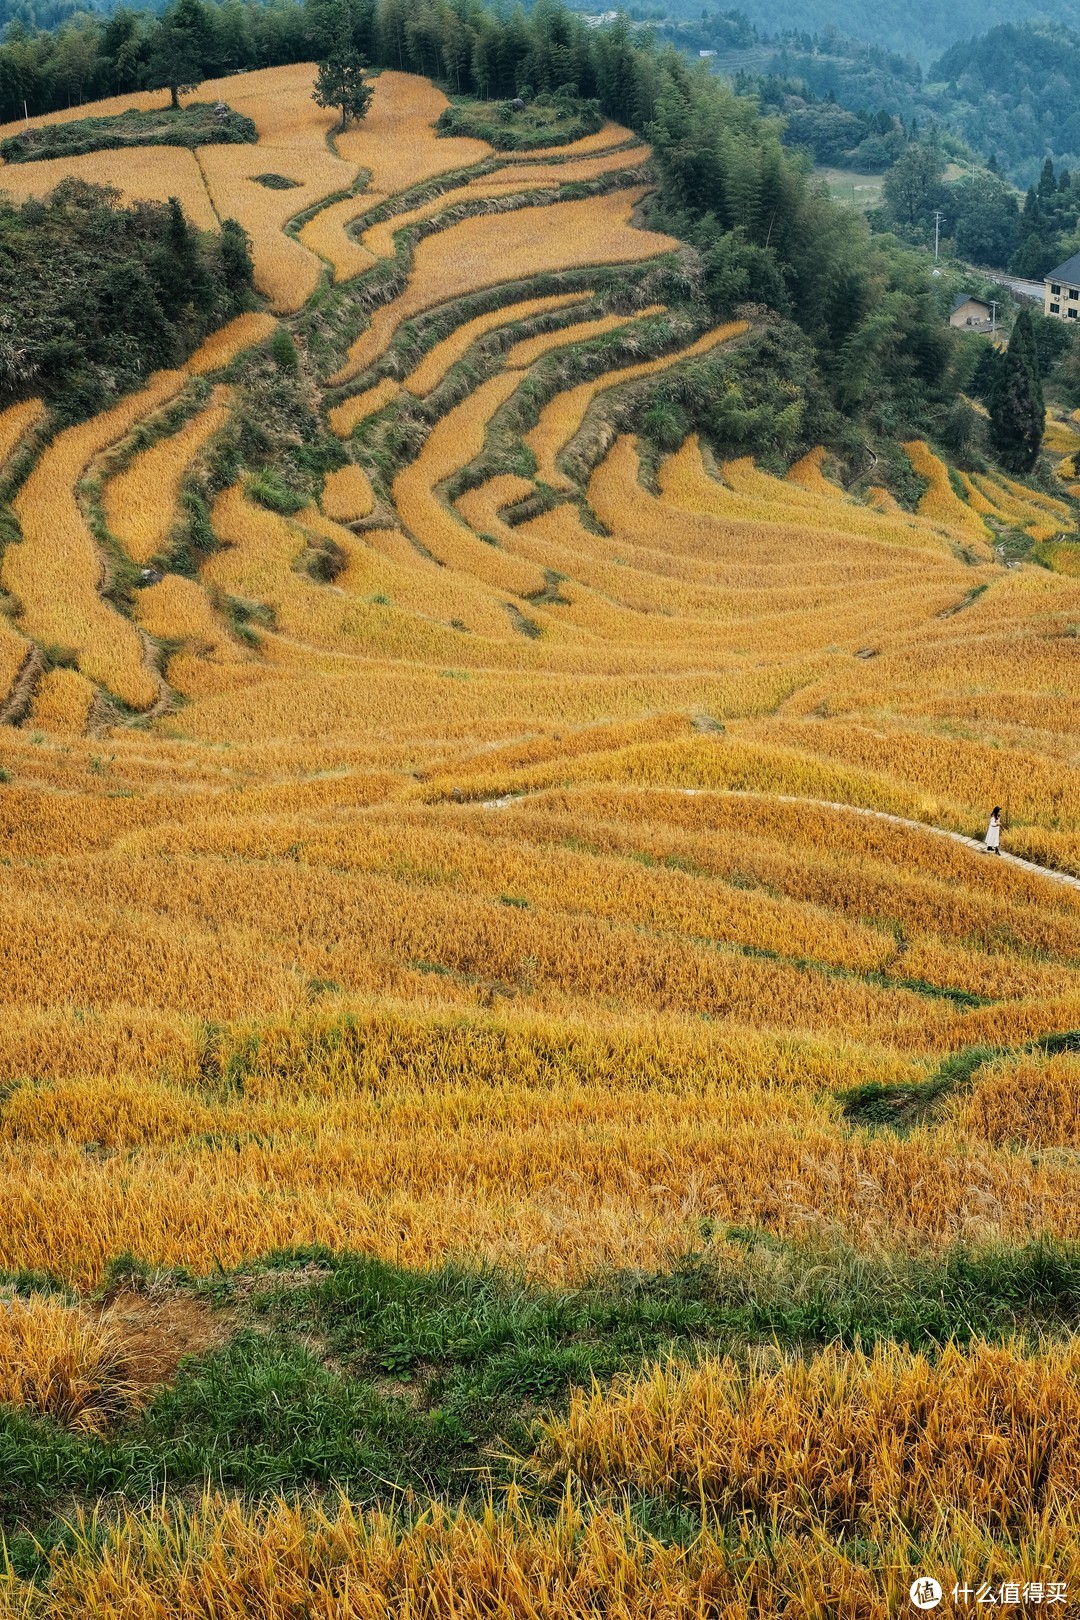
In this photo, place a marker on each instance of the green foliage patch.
(197, 124)
(520, 124)
(347, 1371)
(95, 296)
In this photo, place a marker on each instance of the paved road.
(1032, 290)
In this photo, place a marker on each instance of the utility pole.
(993, 319)
(938, 217)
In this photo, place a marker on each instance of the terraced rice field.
(470, 869)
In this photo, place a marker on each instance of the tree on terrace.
(342, 78)
(176, 61)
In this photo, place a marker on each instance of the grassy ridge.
(190, 126)
(346, 1371)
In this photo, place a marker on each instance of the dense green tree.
(177, 270)
(911, 183)
(1053, 341)
(342, 82)
(179, 46)
(1022, 341)
(235, 256)
(124, 47)
(1015, 401)
(1016, 94)
(986, 221)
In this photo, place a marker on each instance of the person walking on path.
(993, 832)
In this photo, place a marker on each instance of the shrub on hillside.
(96, 295)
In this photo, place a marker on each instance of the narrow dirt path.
(917, 826)
(975, 844)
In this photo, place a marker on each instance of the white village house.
(1061, 291)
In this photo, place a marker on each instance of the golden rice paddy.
(16, 422)
(140, 502)
(490, 248)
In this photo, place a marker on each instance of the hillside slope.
(443, 960)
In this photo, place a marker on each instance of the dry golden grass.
(833, 1444)
(378, 239)
(1063, 557)
(511, 181)
(178, 609)
(948, 768)
(384, 563)
(140, 502)
(438, 360)
(485, 909)
(260, 564)
(563, 416)
(455, 439)
(62, 702)
(557, 174)
(139, 174)
(222, 346)
(55, 572)
(292, 142)
(222, 1560)
(494, 248)
(1032, 1100)
(285, 271)
(16, 422)
(482, 506)
(327, 235)
(610, 136)
(808, 475)
(940, 502)
(1034, 497)
(1040, 516)
(55, 1360)
(396, 142)
(347, 416)
(976, 499)
(1060, 436)
(347, 494)
(411, 1144)
(740, 574)
(742, 492)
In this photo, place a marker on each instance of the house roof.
(1069, 271)
(966, 298)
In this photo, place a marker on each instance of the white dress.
(993, 834)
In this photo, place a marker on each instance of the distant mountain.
(1015, 91)
(920, 27)
(1012, 93)
(41, 13)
